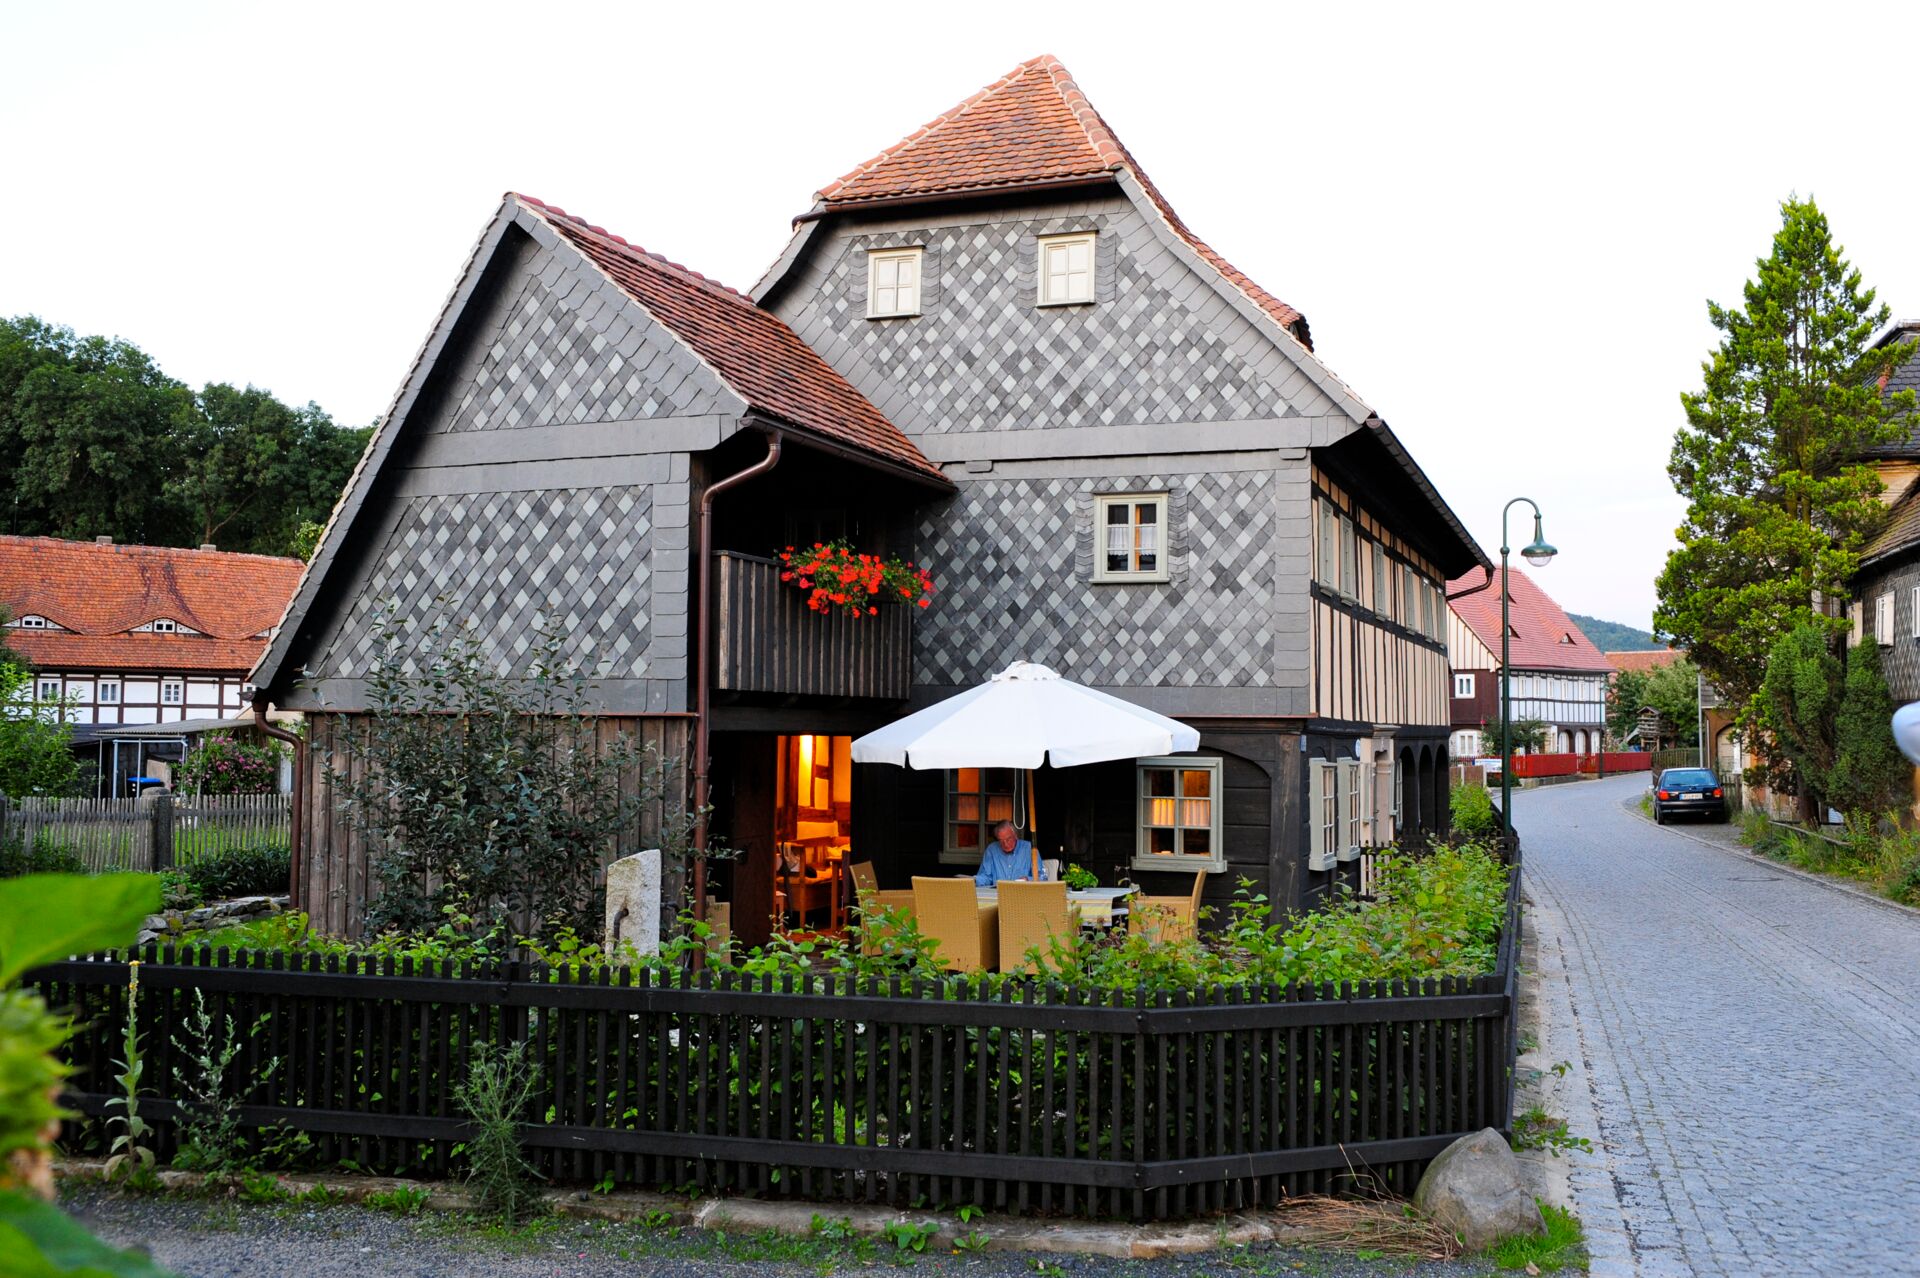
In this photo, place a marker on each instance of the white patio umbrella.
(1023, 717)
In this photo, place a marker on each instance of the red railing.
(1567, 765)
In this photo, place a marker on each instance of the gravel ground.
(216, 1239)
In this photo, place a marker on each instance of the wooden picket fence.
(1147, 1104)
(147, 833)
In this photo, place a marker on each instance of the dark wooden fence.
(148, 833)
(1035, 1099)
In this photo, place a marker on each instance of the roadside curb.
(793, 1219)
(1827, 881)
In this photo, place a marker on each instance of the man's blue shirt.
(997, 864)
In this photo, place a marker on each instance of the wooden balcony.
(767, 640)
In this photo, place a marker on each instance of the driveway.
(1749, 1041)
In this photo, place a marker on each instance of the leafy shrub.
(1472, 810)
(222, 764)
(47, 856)
(177, 890)
(260, 869)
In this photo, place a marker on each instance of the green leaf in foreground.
(38, 1240)
(45, 917)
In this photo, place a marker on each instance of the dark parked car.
(1689, 792)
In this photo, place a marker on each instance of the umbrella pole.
(1033, 829)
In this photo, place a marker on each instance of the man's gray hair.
(1005, 825)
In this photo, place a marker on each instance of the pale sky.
(1502, 223)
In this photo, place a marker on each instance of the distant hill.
(1611, 636)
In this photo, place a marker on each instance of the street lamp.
(1539, 554)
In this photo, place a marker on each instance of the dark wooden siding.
(766, 639)
(333, 863)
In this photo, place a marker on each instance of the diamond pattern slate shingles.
(1031, 127)
(751, 349)
(1212, 625)
(1540, 627)
(508, 561)
(100, 593)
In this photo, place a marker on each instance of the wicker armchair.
(1031, 915)
(871, 901)
(1169, 918)
(964, 931)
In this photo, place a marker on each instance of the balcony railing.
(767, 640)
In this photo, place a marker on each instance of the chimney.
(207, 545)
(103, 541)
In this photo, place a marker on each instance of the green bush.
(1472, 810)
(47, 856)
(177, 891)
(261, 869)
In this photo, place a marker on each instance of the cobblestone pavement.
(1750, 1043)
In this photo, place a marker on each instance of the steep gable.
(1542, 637)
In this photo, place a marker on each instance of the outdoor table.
(1094, 907)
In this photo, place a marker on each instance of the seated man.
(1008, 857)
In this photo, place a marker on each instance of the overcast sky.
(1502, 224)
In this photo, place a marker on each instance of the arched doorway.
(1406, 809)
(1431, 789)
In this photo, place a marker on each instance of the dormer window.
(893, 282)
(1066, 270)
(165, 625)
(33, 621)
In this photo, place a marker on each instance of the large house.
(1559, 678)
(138, 635)
(993, 347)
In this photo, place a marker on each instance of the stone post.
(633, 902)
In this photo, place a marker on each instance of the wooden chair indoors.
(1032, 915)
(870, 901)
(1169, 918)
(964, 931)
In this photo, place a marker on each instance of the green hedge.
(260, 869)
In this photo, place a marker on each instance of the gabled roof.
(1032, 127)
(752, 350)
(1641, 661)
(1901, 531)
(1903, 377)
(1543, 638)
(97, 594)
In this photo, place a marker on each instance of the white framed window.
(1396, 797)
(1883, 619)
(1132, 533)
(32, 621)
(1463, 685)
(1323, 808)
(1349, 560)
(1327, 569)
(1382, 588)
(977, 800)
(893, 282)
(1916, 612)
(1066, 269)
(1179, 822)
(107, 692)
(1352, 808)
(49, 689)
(172, 692)
(165, 625)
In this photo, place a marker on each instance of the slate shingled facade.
(548, 453)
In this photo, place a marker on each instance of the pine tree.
(1770, 460)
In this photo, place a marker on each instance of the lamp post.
(1539, 554)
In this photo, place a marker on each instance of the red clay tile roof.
(1651, 659)
(1031, 127)
(1543, 638)
(752, 350)
(98, 594)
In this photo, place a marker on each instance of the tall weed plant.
(500, 1084)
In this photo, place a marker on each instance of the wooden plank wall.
(333, 865)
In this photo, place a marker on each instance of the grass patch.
(1882, 856)
(1563, 1246)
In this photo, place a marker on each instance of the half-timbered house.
(996, 348)
(1559, 677)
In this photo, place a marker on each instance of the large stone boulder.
(1476, 1190)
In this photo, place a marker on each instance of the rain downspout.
(299, 745)
(703, 642)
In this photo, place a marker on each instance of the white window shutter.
(1319, 856)
(1349, 809)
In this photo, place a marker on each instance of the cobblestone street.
(1750, 1041)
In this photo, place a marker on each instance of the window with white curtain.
(1179, 815)
(1132, 532)
(1883, 619)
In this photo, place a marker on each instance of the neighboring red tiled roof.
(1543, 639)
(1031, 127)
(98, 593)
(752, 350)
(1651, 659)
